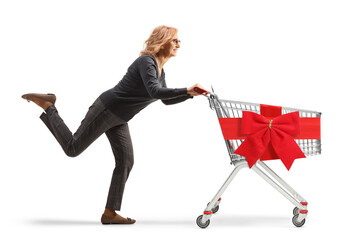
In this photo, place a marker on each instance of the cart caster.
(296, 222)
(215, 209)
(200, 224)
(296, 211)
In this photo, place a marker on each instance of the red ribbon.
(279, 131)
(270, 135)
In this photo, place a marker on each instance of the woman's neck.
(161, 60)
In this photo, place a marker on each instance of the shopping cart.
(227, 110)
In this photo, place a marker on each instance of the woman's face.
(170, 49)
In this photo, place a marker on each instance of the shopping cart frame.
(228, 109)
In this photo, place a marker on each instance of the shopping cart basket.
(230, 114)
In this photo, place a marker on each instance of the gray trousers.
(97, 121)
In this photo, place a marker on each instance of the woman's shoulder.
(146, 59)
(144, 62)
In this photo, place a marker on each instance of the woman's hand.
(191, 91)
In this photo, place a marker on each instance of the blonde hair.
(159, 37)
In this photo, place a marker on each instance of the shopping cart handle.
(201, 91)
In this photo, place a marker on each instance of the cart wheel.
(296, 222)
(215, 209)
(296, 211)
(200, 224)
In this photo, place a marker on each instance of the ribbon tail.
(286, 148)
(243, 150)
(252, 148)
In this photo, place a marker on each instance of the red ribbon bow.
(279, 132)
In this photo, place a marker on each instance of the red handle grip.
(201, 91)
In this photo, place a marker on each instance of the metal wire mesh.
(234, 109)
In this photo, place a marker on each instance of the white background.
(301, 54)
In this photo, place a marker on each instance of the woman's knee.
(72, 151)
(72, 154)
(124, 165)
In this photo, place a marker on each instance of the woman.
(143, 84)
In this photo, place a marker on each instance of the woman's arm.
(176, 100)
(149, 77)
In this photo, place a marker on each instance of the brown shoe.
(42, 100)
(117, 219)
